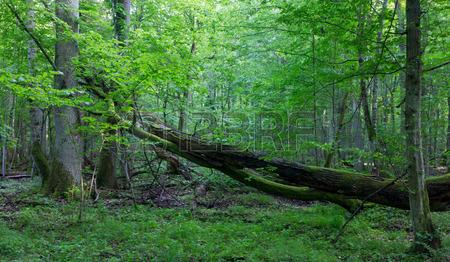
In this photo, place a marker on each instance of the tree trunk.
(185, 100)
(121, 10)
(221, 157)
(37, 127)
(371, 132)
(425, 236)
(448, 123)
(357, 132)
(106, 176)
(67, 159)
(376, 80)
(340, 126)
(316, 138)
(353, 185)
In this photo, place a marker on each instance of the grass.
(256, 229)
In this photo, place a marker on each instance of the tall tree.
(121, 19)
(425, 235)
(67, 159)
(376, 80)
(364, 99)
(448, 123)
(106, 176)
(37, 126)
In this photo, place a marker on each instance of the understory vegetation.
(245, 226)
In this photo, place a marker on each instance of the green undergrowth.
(256, 229)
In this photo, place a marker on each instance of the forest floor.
(244, 226)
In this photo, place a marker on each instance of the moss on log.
(250, 178)
(340, 182)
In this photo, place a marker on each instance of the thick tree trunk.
(220, 157)
(67, 159)
(316, 138)
(402, 49)
(353, 185)
(182, 118)
(106, 175)
(425, 236)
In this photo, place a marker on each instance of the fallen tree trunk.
(16, 177)
(337, 182)
(250, 178)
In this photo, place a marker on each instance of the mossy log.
(338, 182)
(250, 177)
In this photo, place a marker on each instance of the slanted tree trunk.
(221, 157)
(425, 235)
(353, 185)
(67, 158)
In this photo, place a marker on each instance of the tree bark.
(37, 126)
(357, 132)
(425, 236)
(371, 132)
(448, 123)
(376, 80)
(121, 10)
(67, 159)
(340, 126)
(350, 184)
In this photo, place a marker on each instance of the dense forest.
(224, 130)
